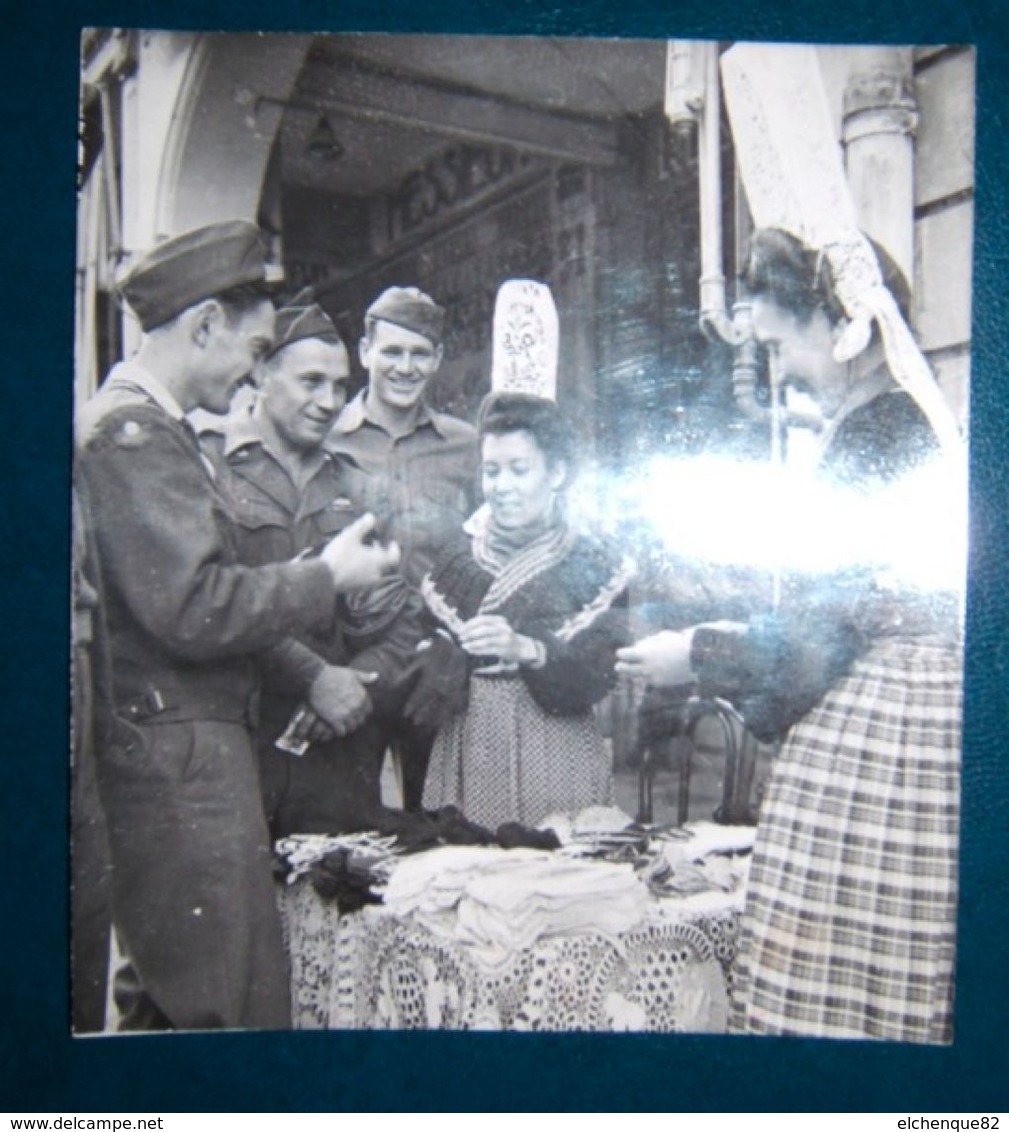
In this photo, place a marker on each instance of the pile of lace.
(672, 861)
(609, 876)
(344, 867)
(369, 852)
(605, 874)
(500, 901)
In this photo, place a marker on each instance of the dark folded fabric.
(438, 683)
(513, 835)
(338, 876)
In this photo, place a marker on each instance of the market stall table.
(526, 940)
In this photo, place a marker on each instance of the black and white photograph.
(519, 534)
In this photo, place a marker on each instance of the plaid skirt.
(850, 917)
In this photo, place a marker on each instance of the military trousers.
(194, 899)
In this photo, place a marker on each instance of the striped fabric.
(516, 569)
(849, 927)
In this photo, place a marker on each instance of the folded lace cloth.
(698, 870)
(592, 820)
(708, 837)
(499, 901)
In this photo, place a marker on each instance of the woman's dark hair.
(522, 412)
(799, 279)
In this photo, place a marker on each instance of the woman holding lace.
(528, 615)
(849, 925)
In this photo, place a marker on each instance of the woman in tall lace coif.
(849, 924)
(528, 615)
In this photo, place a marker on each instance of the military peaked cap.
(410, 308)
(197, 265)
(302, 318)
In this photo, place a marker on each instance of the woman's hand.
(489, 635)
(662, 660)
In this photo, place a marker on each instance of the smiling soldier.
(420, 466)
(289, 496)
(193, 900)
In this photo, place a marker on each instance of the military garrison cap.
(302, 318)
(197, 265)
(410, 308)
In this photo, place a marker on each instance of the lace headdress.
(791, 167)
(526, 340)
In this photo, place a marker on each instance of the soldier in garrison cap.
(288, 495)
(420, 467)
(193, 897)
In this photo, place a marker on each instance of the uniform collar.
(244, 432)
(240, 431)
(141, 377)
(355, 414)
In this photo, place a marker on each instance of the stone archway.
(226, 115)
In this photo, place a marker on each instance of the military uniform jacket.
(375, 629)
(184, 614)
(424, 484)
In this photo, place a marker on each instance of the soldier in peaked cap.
(420, 466)
(288, 495)
(193, 899)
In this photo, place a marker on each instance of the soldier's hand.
(307, 725)
(354, 560)
(340, 697)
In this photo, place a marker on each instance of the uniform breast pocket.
(444, 497)
(441, 508)
(335, 517)
(262, 534)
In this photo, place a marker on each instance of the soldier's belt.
(172, 701)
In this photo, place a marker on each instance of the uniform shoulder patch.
(130, 434)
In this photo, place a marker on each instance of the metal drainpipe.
(714, 317)
(693, 97)
(693, 100)
(745, 367)
(880, 117)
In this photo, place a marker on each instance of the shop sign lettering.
(460, 175)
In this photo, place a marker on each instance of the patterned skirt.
(505, 759)
(849, 926)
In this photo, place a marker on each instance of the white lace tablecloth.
(374, 970)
